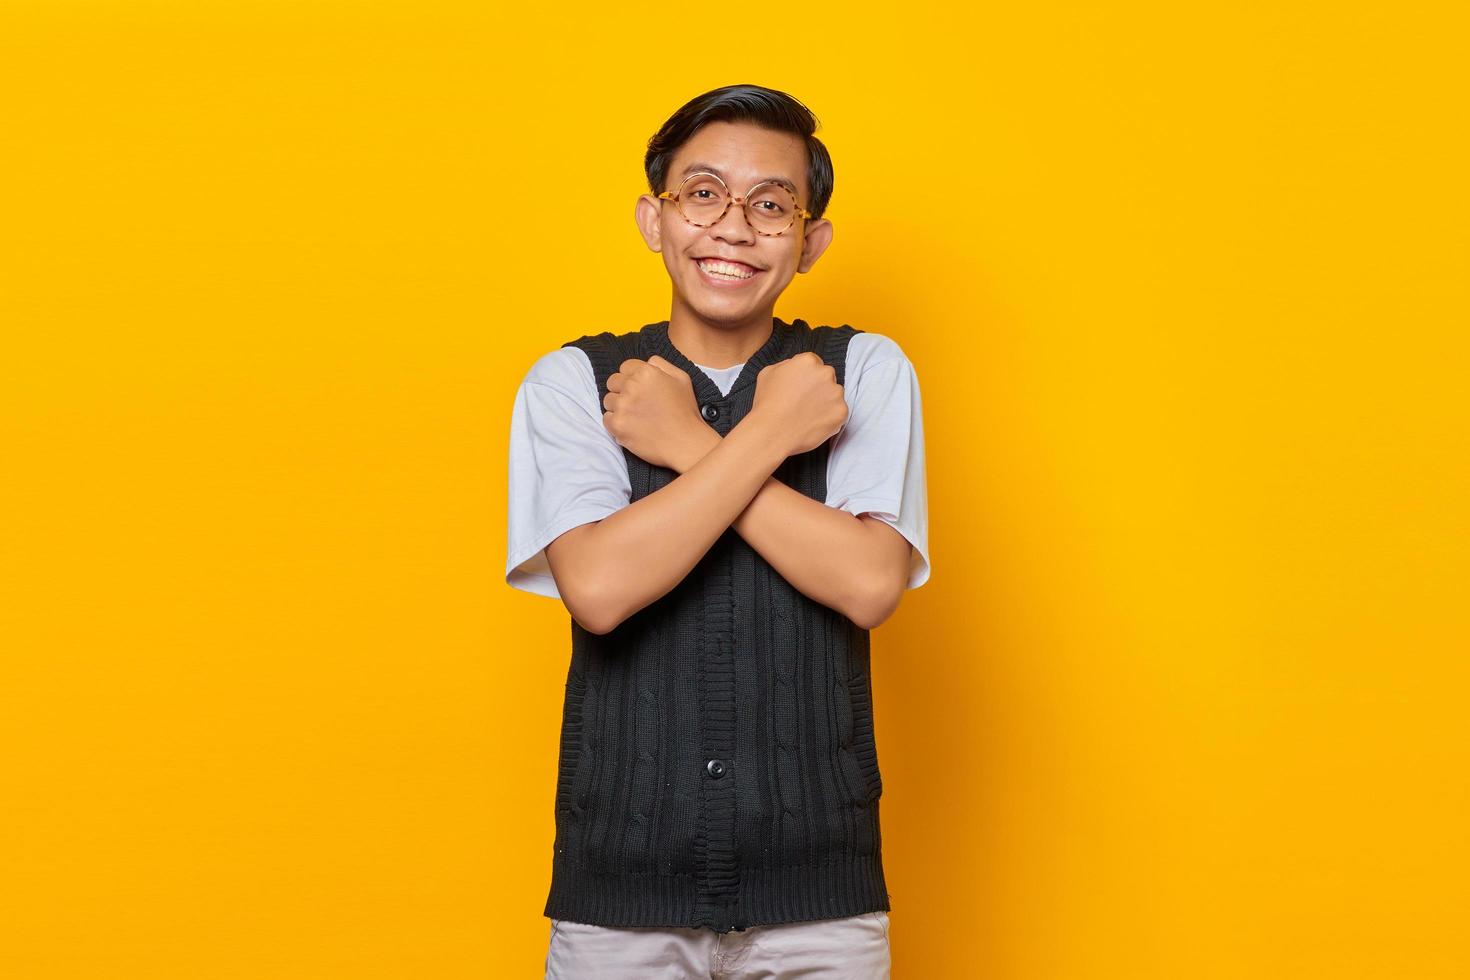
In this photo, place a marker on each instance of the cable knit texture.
(717, 760)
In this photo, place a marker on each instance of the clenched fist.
(652, 412)
(800, 400)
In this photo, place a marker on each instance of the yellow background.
(1186, 289)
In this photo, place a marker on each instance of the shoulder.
(559, 379)
(606, 350)
(870, 351)
(566, 369)
(874, 347)
(866, 349)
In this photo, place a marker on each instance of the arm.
(608, 570)
(856, 565)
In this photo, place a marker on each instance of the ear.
(646, 214)
(814, 242)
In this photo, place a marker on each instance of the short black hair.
(743, 103)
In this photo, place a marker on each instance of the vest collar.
(772, 351)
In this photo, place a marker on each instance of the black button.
(711, 411)
(716, 768)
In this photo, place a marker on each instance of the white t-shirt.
(566, 469)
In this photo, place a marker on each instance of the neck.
(718, 343)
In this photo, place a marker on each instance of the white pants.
(853, 948)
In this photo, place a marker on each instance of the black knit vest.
(717, 761)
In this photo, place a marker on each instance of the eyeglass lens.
(770, 208)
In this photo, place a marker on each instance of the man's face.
(743, 155)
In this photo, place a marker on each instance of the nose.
(735, 225)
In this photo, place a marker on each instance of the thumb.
(665, 366)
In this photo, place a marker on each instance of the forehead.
(742, 153)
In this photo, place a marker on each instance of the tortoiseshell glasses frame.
(799, 212)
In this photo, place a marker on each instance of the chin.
(716, 315)
(715, 309)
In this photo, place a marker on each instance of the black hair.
(743, 103)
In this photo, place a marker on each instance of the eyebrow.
(695, 167)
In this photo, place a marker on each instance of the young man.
(726, 503)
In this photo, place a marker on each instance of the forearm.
(637, 554)
(826, 553)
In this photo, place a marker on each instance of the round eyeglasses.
(703, 199)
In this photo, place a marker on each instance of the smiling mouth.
(721, 271)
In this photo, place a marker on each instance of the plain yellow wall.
(1186, 290)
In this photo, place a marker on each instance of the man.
(726, 503)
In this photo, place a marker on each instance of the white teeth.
(726, 270)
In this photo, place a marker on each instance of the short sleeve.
(876, 465)
(565, 468)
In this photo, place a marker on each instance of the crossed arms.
(607, 570)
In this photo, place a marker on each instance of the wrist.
(699, 444)
(758, 424)
(765, 438)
